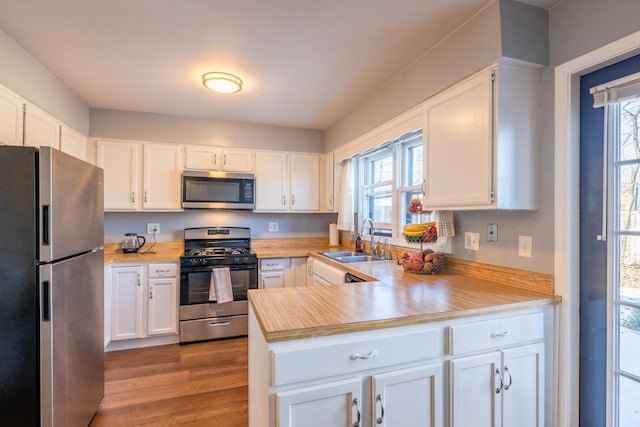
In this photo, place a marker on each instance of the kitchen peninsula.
(402, 349)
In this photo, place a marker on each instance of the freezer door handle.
(46, 303)
(45, 224)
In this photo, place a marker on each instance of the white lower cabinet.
(107, 305)
(283, 272)
(505, 387)
(332, 404)
(144, 301)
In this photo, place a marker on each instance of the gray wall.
(480, 42)
(172, 224)
(25, 76)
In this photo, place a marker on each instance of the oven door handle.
(236, 267)
(223, 323)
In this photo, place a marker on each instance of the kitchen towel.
(220, 289)
(444, 223)
(333, 234)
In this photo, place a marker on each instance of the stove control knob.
(245, 259)
(203, 261)
(193, 261)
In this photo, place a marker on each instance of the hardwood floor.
(200, 384)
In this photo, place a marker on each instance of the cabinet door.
(271, 181)
(202, 157)
(458, 145)
(126, 308)
(297, 273)
(272, 279)
(334, 404)
(162, 306)
(41, 129)
(120, 161)
(73, 142)
(304, 182)
(11, 118)
(237, 160)
(327, 183)
(523, 395)
(162, 177)
(474, 381)
(408, 397)
(107, 305)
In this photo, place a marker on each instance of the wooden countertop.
(161, 252)
(395, 299)
(290, 248)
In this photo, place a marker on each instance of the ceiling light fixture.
(222, 82)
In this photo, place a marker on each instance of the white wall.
(24, 75)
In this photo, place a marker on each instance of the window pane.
(378, 204)
(381, 170)
(629, 259)
(629, 125)
(629, 339)
(414, 165)
(629, 404)
(628, 196)
(408, 217)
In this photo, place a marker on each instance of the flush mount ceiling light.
(222, 82)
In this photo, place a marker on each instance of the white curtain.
(345, 201)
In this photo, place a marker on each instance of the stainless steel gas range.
(207, 248)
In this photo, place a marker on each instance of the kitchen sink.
(359, 258)
(339, 254)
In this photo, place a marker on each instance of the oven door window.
(195, 285)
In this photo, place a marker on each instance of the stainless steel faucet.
(373, 246)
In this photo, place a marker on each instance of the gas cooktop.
(217, 251)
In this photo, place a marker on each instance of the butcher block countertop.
(396, 298)
(161, 252)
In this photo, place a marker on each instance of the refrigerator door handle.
(45, 224)
(46, 302)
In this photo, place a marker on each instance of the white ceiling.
(305, 63)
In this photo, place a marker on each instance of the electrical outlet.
(273, 226)
(153, 227)
(492, 233)
(472, 241)
(525, 245)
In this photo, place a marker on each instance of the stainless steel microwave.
(217, 190)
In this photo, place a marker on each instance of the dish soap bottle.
(358, 243)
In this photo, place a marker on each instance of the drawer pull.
(500, 334)
(501, 381)
(506, 371)
(355, 403)
(212, 324)
(379, 419)
(371, 355)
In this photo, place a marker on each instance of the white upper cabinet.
(41, 129)
(271, 181)
(480, 142)
(304, 182)
(11, 118)
(132, 184)
(162, 187)
(203, 157)
(287, 181)
(121, 163)
(73, 142)
(327, 183)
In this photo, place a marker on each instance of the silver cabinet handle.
(133, 197)
(284, 200)
(293, 200)
(506, 371)
(379, 399)
(501, 381)
(355, 404)
(371, 355)
(213, 324)
(225, 160)
(138, 280)
(150, 292)
(146, 198)
(500, 334)
(215, 159)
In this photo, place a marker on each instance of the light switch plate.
(273, 226)
(472, 241)
(525, 245)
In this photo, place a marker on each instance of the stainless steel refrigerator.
(51, 288)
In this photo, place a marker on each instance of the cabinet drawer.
(272, 264)
(496, 333)
(290, 365)
(162, 270)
